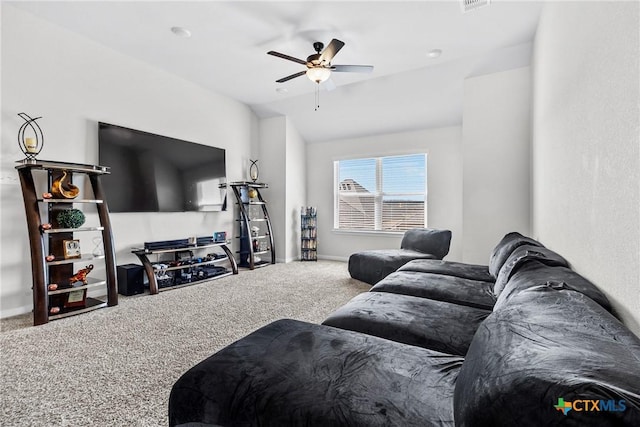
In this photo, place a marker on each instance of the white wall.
(282, 166)
(444, 186)
(73, 83)
(586, 144)
(296, 189)
(496, 133)
(271, 160)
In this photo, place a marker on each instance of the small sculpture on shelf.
(81, 275)
(63, 188)
(98, 249)
(70, 218)
(32, 145)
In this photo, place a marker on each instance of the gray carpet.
(116, 366)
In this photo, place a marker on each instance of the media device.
(220, 236)
(154, 173)
(130, 279)
(166, 244)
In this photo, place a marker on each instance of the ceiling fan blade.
(352, 68)
(330, 51)
(283, 56)
(292, 76)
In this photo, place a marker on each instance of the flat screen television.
(154, 173)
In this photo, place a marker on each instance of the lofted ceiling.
(226, 53)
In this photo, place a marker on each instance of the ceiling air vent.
(469, 5)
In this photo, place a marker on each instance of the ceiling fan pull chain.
(317, 96)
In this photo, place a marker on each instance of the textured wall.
(586, 146)
(496, 148)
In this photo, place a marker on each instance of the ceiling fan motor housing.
(314, 59)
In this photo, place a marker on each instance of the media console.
(185, 264)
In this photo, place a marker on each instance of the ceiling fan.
(318, 65)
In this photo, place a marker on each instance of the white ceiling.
(227, 53)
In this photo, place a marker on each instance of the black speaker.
(130, 279)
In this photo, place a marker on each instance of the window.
(381, 193)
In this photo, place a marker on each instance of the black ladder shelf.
(255, 233)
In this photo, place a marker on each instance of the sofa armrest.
(428, 241)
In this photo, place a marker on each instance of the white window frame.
(379, 195)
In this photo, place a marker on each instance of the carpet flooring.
(116, 366)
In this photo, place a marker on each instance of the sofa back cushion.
(505, 247)
(427, 240)
(544, 359)
(536, 273)
(520, 257)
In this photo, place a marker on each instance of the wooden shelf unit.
(45, 242)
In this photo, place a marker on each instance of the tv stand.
(187, 265)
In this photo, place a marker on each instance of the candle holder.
(30, 146)
(253, 170)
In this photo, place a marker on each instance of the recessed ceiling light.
(434, 53)
(181, 32)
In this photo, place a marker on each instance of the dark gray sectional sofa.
(417, 243)
(524, 341)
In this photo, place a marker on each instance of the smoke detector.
(469, 5)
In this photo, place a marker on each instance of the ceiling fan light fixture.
(318, 74)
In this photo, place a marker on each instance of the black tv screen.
(154, 173)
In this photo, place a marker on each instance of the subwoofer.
(130, 279)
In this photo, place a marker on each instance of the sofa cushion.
(536, 273)
(546, 348)
(521, 256)
(372, 266)
(472, 293)
(450, 268)
(422, 322)
(505, 247)
(428, 241)
(292, 373)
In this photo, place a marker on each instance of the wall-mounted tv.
(154, 173)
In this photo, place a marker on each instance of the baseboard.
(333, 258)
(15, 311)
(323, 257)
